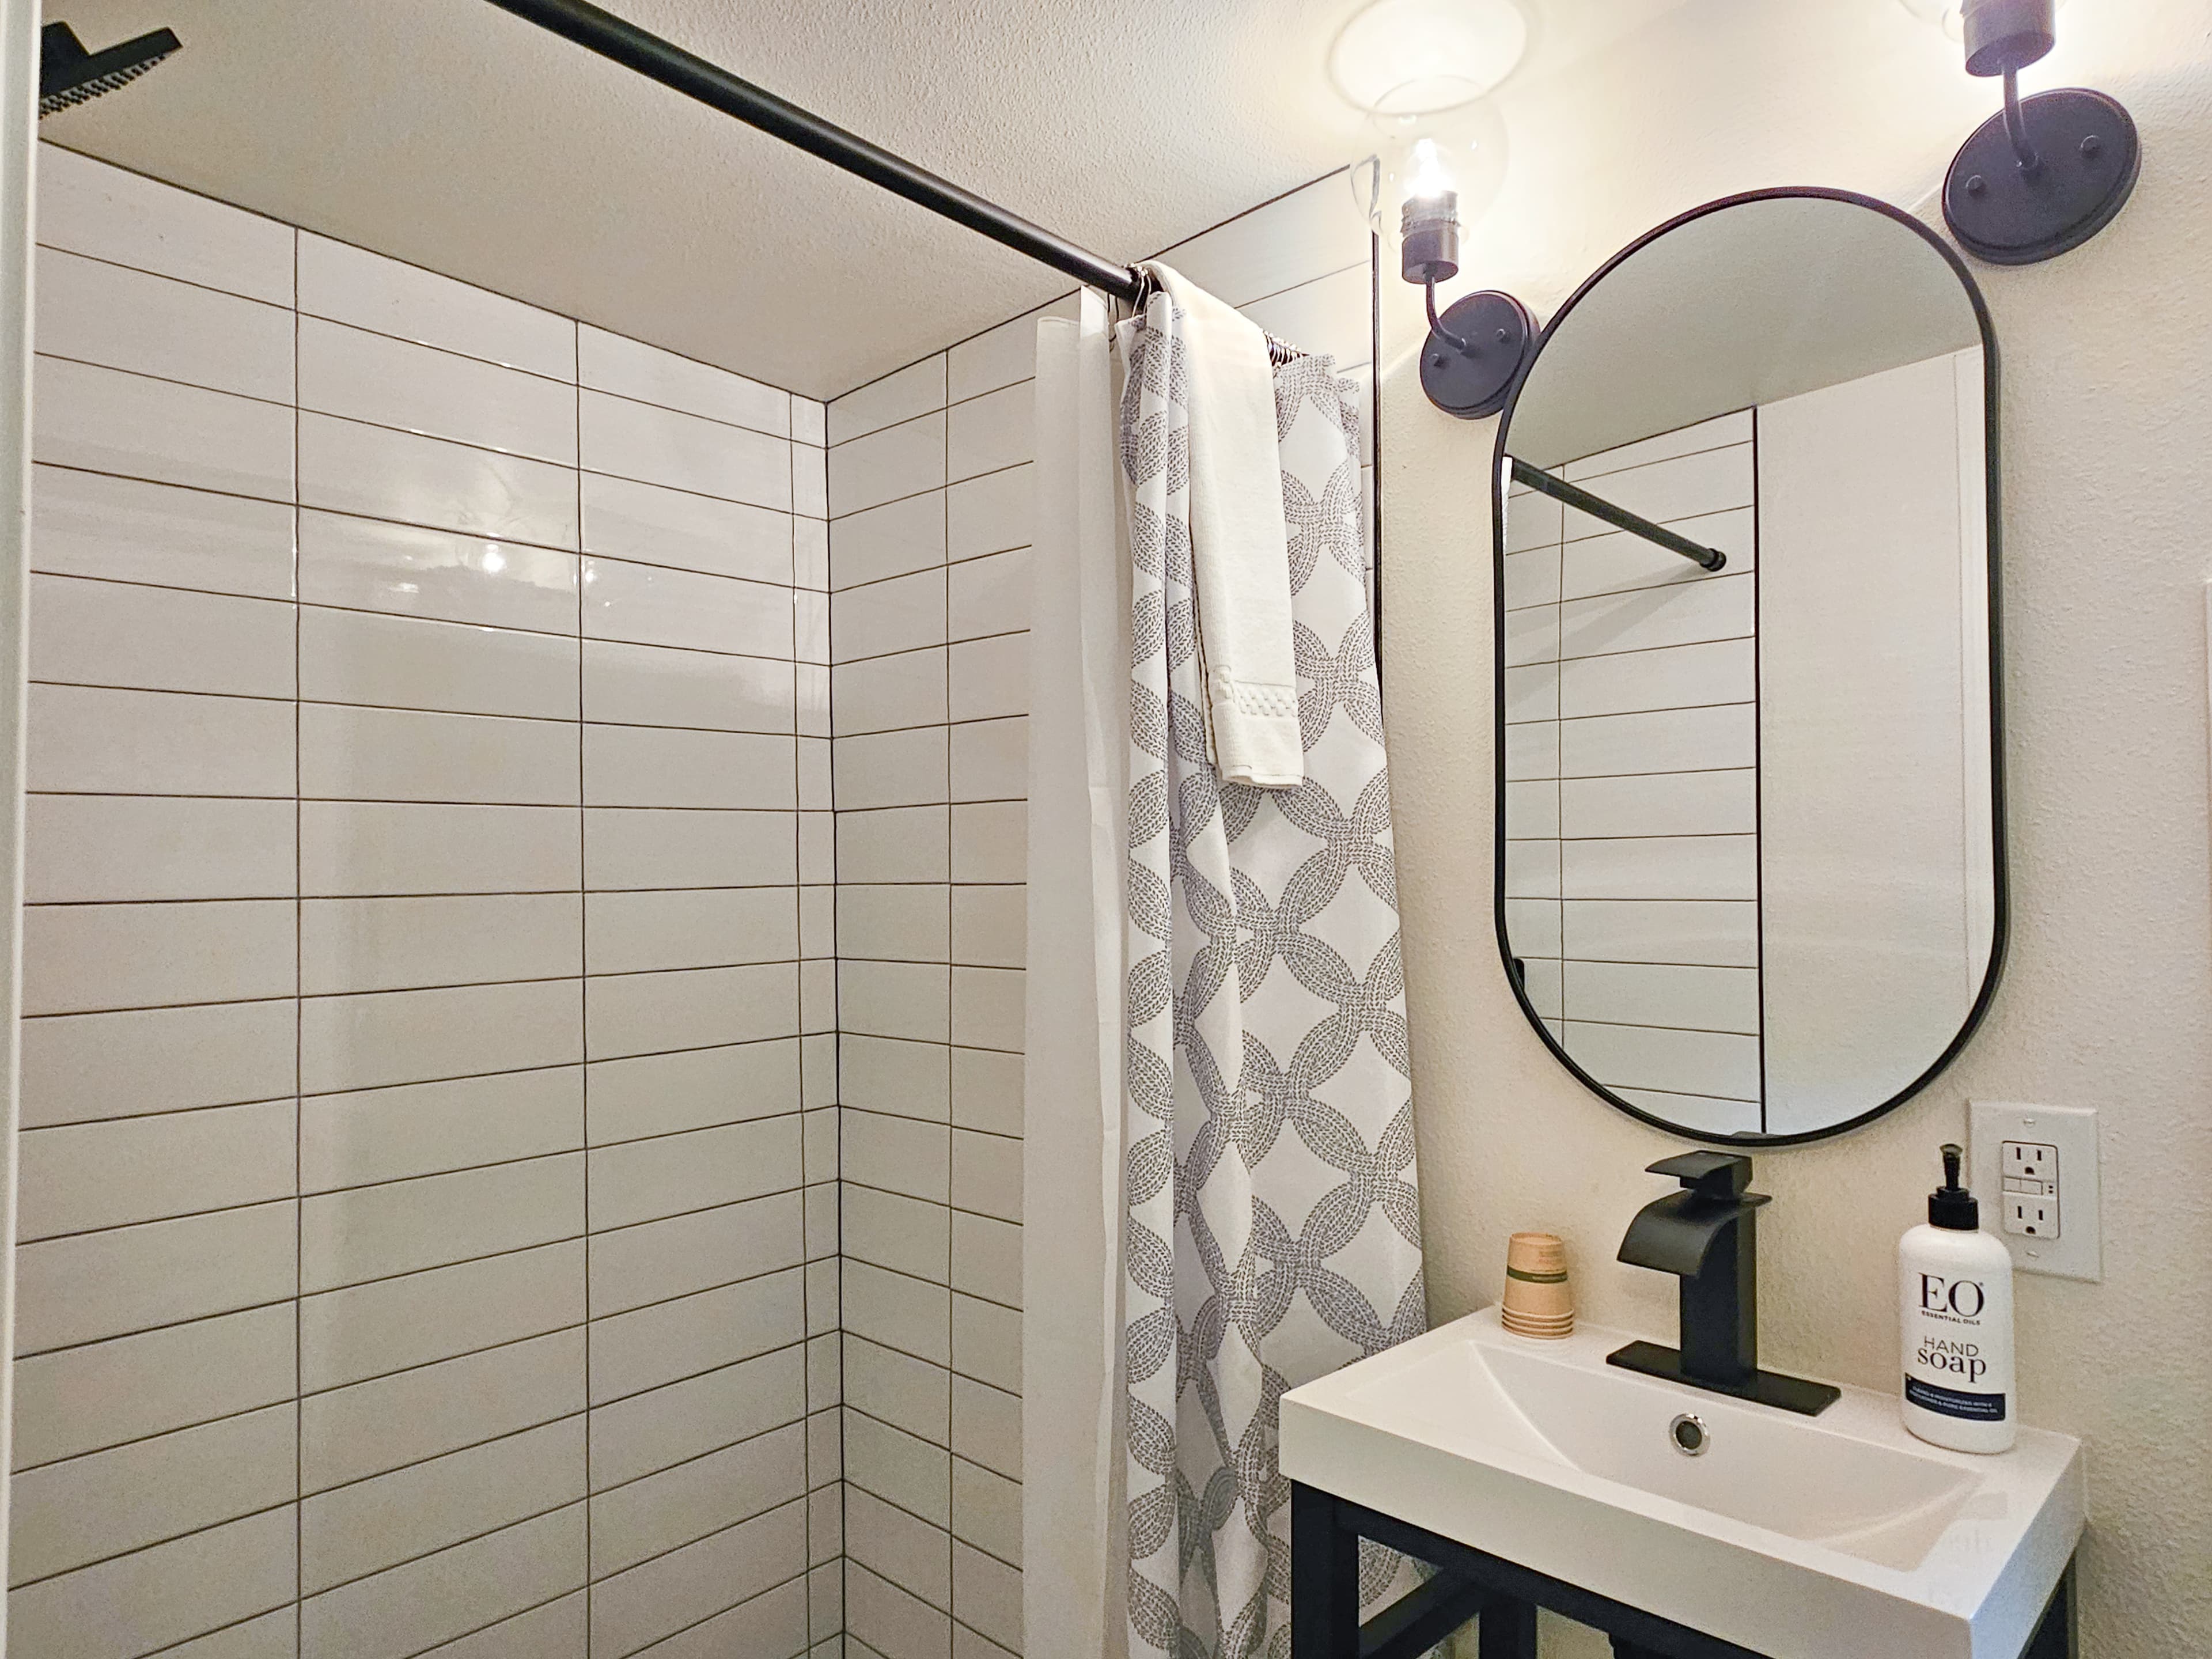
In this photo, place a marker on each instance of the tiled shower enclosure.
(429, 721)
(450, 993)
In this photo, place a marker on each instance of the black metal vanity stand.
(1499, 1597)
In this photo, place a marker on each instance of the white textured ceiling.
(454, 134)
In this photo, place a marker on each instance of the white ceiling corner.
(454, 134)
(457, 136)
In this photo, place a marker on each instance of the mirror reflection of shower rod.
(1709, 558)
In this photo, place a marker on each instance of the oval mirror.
(1750, 836)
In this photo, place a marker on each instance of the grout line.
(1757, 780)
(796, 1577)
(1689, 835)
(567, 1416)
(728, 1526)
(417, 1082)
(1343, 371)
(443, 1359)
(1630, 713)
(504, 1619)
(417, 800)
(1645, 961)
(290, 1606)
(944, 408)
(1652, 1025)
(557, 381)
(1640, 650)
(169, 276)
(171, 379)
(299, 1025)
(579, 387)
(948, 644)
(945, 601)
(947, 564)
(413, 990)
(458, 1543)
(1685, 1094)
(944, 488)
(888, 1502)
(412, 898)
(837, 1100)
(1745, 443)
(323, 1292)
(798, 615)
(1663, 586)
(457, 533)
(19, 1584)
(1674, 772)
(944, 1204)
(943, 1123)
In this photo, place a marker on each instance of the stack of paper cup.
(1538, 1299)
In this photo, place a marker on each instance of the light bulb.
(1430, 178)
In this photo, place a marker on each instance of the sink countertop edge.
(1647, 1554)
(1648, 1559)
(2009, 1614)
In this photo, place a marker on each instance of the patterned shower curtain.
(1274, 1230)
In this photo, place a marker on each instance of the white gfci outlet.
(2029, 1206)
(2035, 1172)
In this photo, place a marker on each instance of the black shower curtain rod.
(694, 76)
(1709, 558)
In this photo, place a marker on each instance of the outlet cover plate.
(2078, 1251)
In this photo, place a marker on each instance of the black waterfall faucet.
(1707, 1236)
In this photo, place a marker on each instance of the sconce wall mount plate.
(2045, 174)
(2088, 156)
(1469, 365)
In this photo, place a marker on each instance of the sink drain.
(1690, 1434)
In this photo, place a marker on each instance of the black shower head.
(69, 75)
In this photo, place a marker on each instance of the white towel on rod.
(1239, 544)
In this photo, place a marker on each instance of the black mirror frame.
(2000, 933)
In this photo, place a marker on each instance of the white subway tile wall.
(930, 480)
(440, 1232)
(1632, 869)
(428, 1235)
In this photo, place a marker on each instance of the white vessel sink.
(1828, 1537)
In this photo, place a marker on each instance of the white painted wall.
(2107, 419)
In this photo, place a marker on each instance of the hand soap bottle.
(1954, 1285)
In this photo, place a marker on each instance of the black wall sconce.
(1423, 70)
(1477, 348)
(2048, 172)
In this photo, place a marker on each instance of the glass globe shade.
(1412, 152)
(1433, 53)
